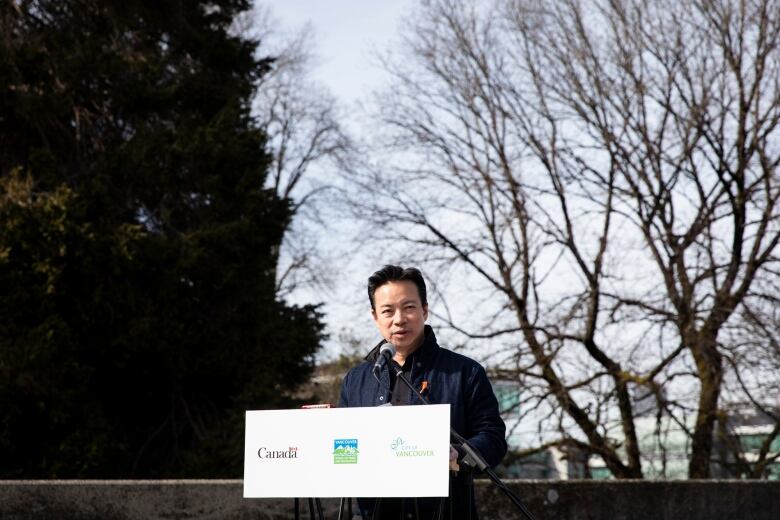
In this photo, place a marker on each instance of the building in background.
(664, 444)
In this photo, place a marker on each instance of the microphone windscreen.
(388, 349)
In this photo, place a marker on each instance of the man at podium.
(399, 307)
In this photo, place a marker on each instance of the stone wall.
(222, 499)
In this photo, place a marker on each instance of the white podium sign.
(387, 451)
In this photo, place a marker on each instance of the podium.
(372, 452)
(348, 452)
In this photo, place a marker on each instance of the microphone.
(386, 353)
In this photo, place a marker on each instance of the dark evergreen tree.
(138, 247)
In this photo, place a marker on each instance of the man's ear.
(425, 312)
(373, 314)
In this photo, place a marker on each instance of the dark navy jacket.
(449, 378)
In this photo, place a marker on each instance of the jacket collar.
(426, 351)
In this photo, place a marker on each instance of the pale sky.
(345, 37)
(345, 33)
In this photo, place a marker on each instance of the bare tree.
(752, 358)
(603, 176)
(306, 139)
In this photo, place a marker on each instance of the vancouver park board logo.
(402, 449)
(345, 451)
(289, 453)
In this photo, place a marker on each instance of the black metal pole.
(341, 509)
(311, 509)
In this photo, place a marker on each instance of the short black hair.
(395, 273)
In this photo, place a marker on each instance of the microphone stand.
(471, 456)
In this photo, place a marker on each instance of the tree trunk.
(710, 367)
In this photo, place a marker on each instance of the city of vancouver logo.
(402, 449)
(345, 451)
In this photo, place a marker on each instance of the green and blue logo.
(345, 451)
(402, 449)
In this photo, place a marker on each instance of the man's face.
(400, 315)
